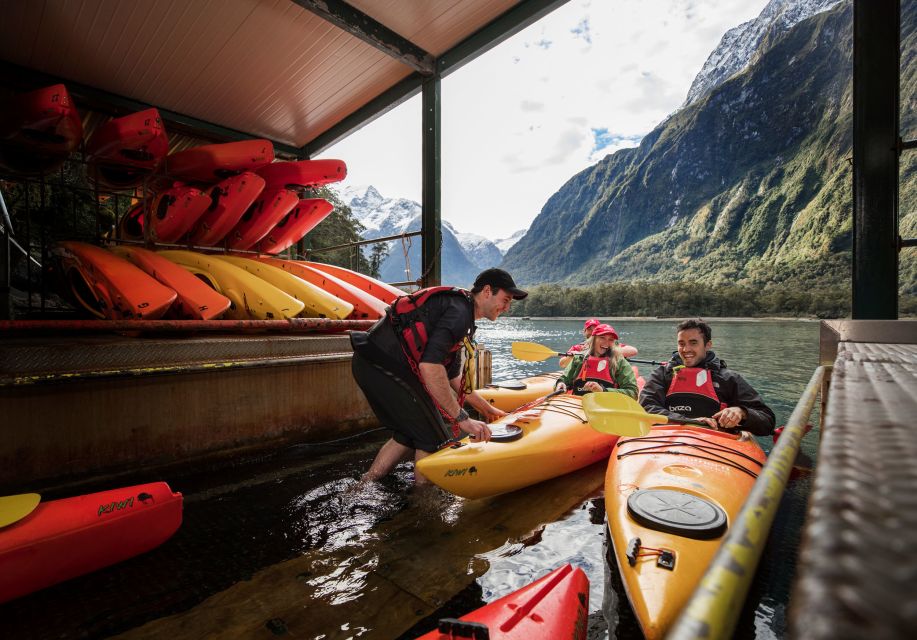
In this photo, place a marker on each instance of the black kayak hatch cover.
(504, 432)
(677, 512)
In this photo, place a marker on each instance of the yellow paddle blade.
(616, 413)
(15, 508)
(533, 352)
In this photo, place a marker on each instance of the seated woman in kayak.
(601, 367)
(580, 347)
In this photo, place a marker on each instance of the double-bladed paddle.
(618, 414)
(15, 508)
(534, 352)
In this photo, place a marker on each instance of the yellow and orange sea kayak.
(553, 438)
(512, 394)
(670, 498)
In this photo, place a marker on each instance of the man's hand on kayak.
(730, 417)
(476, 429)
(493, 413)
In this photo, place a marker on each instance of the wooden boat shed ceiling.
(303, 73)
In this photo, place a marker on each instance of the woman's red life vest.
(595, 369)
(692, 393)
(410, 320)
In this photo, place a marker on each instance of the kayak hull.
(303, 173)
(365, 306)
(304, 217)
(317, 302)
(39, 130)
(172, 213)
(385, 292)
(554, 606)
(555, 440)
(109, 286)
(264, 213)
(195, 301)
(229, 200)
(125, 151)
(511, 399)
(723, 477)
(62, 539)
(214, 162)
(252, 298)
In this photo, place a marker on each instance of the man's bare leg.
(419, 478)
(389, 455)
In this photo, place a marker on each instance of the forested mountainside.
(749, 185)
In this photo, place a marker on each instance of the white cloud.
(519, 121)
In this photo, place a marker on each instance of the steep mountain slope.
(750, 184)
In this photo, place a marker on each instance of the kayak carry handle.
(455, 628)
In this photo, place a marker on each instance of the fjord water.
(777, 357)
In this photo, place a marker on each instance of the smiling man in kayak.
(411, 368)
(696, 385)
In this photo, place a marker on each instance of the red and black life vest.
(692, 393)
(595, 369)
(409, 318)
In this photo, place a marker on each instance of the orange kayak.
(39, 130)
(109, 286)
(670, 497)
(266, 211)
(212, 162)
(127, 150)
(172, 213)
(304, 217)
(302, 173)
(196, 300)
(554, 606)
(364, 305)
(229, 200)
(385, 292)
(512, 394)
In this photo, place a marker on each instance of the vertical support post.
(876, 78)
(6, 302)
(431, 229)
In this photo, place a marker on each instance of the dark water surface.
(290, 544)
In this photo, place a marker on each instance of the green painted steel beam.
(504, 26)
(373, 33)
(19, 78)
(431, 201)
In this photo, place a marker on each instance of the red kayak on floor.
(109, 286)
(212, 162)
(266, 211)
(384, 292)
(125, 151)
(304, 217)
(172, 213)
(62, 539)
(303, 173)
(39, 130)
(553, 607)
(196, 300)
(229, 200)
(365, 306)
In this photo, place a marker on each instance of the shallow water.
(291, 544)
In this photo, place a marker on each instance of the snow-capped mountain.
(739, 45)
(481, 251)
(504, 244)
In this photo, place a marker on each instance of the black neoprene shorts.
(401, 404)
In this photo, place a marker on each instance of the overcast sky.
(517, 123)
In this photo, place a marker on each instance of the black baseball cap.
(499, 279)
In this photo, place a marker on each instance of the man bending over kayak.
(410, 367)
(601, 367)
(696, 385)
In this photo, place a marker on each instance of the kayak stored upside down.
(553, 439)
(62, 539)
(553, 607)
(670, 497)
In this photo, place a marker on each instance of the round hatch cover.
(504, 432)
(677, 512)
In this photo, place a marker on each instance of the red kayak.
(229, 199)
(292, 227)
(553, 607)
(212, 162)
(303, 173)
(384, 292)
(39, 130)
(172, 213)
(62, 539)
(127, 150)
(266, 211)
(196, 300)
(364, 305)
(109, 286)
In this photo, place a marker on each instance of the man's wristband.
(461, 416)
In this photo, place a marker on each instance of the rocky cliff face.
(749, 184)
